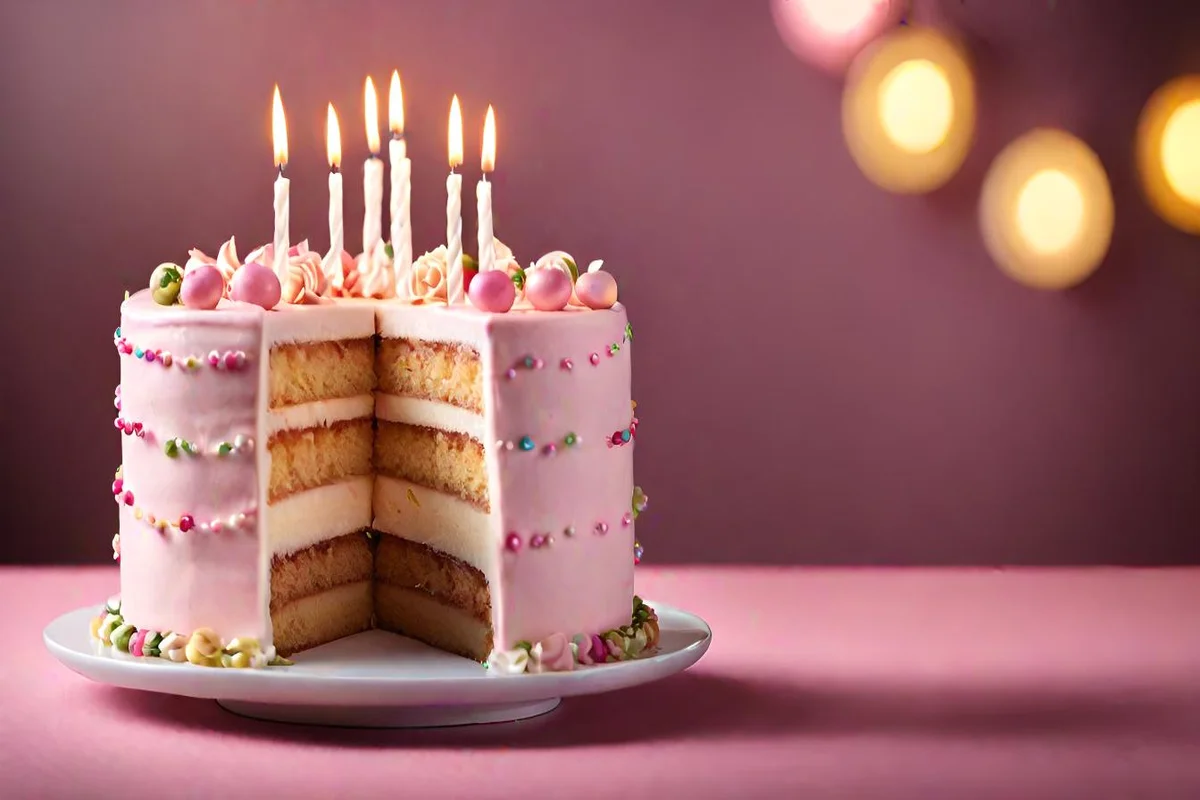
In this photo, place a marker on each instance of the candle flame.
(371, 103)
(333, 138)
(279, 131)
(456, 133)
(396, 105)
(488, 161)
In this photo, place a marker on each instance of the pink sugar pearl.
(202, 287)
(256, 284)
(548, 289)
(492, 291)
(597, 289)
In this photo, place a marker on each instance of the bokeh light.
(1168, 148)
(1046, 210)
(908, 111)
(828, 33)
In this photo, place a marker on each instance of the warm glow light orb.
(1168, 149)
(908, 110)
(1046, 210)
(829, 32)
(916, 105)
(1050, 211)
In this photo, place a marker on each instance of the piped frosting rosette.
(304, 283)
(426, 282)
(369, 275)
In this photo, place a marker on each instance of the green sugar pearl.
(224, 449)
(171, 448)
(526, 443)
(570, 439)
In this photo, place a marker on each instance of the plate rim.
(279, 685)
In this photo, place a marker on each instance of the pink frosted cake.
(312, 457)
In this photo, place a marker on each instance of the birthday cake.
(314, 447)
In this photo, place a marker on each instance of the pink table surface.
(820, 683)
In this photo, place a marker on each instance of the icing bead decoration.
(116, 546)
(256, 284)
(570, 440)
(548, 289)
(640, 501)
(240, 444)
(597, 290)
(550, 449)
(165, 281)
(540, 540)
(203, 287)
(567, 364)
(560, 653)
(526, 443)
(638, 552)
(569, 531)
(627, 519)
(130, 428)
(186, 523)
(164, 357)
(173, 447)
(492, 291)
(512, 542)
(601, 528)
(594, 358)
(204, 648)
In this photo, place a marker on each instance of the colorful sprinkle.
(540, 540)
(569, 530)
(550, 449)
(186, 523)
(627, 519)
(601, 528)
(228, 360)
(638, 552)
(526, 443)
(594, 358)
(510, 374)
(570, 440)
(512, 542)
(567, 364)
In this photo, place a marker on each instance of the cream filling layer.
(441, 521)
(306, 518)
(429, 414)
(319, 413)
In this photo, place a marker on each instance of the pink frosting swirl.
(427, 278)
(377, 278)
(226, 262)
(305, 281)
(553, 654)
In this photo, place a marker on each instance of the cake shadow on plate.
(704, 705)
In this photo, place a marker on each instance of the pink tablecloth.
(820, 683)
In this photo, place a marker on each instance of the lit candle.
(483, 195)
(454, 259)
(372, 174)
(401, 185)
(332, 266)
(282, 184)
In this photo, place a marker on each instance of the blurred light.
(1046, 210)
(908, 111)
(1168, 146)
(916, 106)
(829, 32)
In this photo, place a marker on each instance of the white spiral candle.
(282, 217)
(487, 244)
(454, 260)
(401, 234)
(372, 203)
(332, 265)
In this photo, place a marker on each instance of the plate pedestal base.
(390, 716)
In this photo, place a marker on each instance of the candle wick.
(334, 169)
(398, 135)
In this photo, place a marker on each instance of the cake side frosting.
(190, 521)
(558, 392)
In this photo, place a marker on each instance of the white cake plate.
(376, 679)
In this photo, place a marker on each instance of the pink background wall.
(825, 373)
